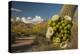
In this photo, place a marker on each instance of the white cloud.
(29, 18)
(25, 20)
(18, 19)
(37, 19)
(12, 19)
(16, 10)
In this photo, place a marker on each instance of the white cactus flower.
(55, 18)
(64, 44)
(67, 18)
(49, 32)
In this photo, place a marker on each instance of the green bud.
(69, 26)
(60, 27)
(62, 35)
(62, 21)
(57, 26)
(64, 38)
(49, 22)
(56, 44)
(56, 39)
(65, 31)
(54, 28)
(63, 24)
(65, 28)
(62, 31)
(53, 24)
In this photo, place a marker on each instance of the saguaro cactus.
(65, 20)
(71, 10)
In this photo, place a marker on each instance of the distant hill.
(28, 28)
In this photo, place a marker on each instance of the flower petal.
(67, 18)
(55, 18)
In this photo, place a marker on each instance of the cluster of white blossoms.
(59, 30)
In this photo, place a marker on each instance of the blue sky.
(28, 9)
